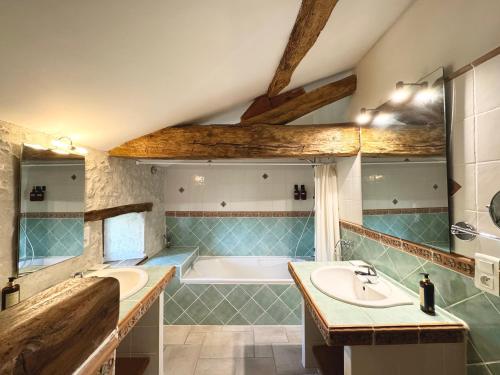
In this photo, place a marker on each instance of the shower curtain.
(326, 225)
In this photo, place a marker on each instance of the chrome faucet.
(370, 270)
(78, 274)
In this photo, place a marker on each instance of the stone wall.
(109, 182)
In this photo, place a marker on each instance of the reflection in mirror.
(494, 209)
(406, 195)
(52, 203)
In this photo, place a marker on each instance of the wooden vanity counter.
(131, 310)
(344, 324)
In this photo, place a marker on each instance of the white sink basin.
(131, 279)
(340, 282)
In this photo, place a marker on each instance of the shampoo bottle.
(426, 295)
(10, 294)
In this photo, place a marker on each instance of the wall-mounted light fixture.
(403, 91)
(62, 146)
(365, 115)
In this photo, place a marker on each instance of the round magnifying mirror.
(495, 209)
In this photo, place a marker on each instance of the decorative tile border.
(399, 211)
(458, 263)
(239, 213)
(52, 215)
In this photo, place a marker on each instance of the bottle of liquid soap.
(10, 294)
(426, 295)
(296, 192)
(303, 193)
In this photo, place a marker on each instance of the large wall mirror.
(52, 204)
(406, 195)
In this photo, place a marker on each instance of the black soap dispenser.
(426, 292)
(303, 193)
(296, 192)
(10, 294)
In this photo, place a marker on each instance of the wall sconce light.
(403, 92)
(365, 116)
(62, 146)
(65, 146)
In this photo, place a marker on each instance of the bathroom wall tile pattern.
(232, 304)
(52, 236)
(454, 292)
(244, 236)
(425, 228)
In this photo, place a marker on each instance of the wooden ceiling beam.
(264, 103)
(311, 19)
(301, 105)
(403, 140)
(201, 142)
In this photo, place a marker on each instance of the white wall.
(412, 185)
(63, 194)
(242, 188)
(475, 151)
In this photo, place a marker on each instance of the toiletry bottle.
(10, 294)
(303, 193)
(296, 192)
(426, 295)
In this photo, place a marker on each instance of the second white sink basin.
(340, 282)
(131, 279)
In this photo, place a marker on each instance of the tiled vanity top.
(344, 324)
(135, 306)
(179, 256)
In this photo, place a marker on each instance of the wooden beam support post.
(303, 104)
(311, 19)
(200, 142)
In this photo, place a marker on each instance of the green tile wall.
(454, 292)
(425, 228)
(52, 236)
(232, 304)
(277, 236)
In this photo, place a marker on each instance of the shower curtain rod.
(160, 163)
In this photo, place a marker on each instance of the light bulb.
(424, 96)
(364, 117)
(383, 119)
(400, 95)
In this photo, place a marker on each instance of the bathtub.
(238, 270)
(234, 290)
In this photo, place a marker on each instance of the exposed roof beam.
(265, 103)
(303, 104)
(312, 18)
(200, 142)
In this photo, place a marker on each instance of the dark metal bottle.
(427, 295)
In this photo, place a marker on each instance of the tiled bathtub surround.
(51, 236)
(430, 228)
(455, 292)
(232, 304)
(279, 233)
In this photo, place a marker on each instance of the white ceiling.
(107, 71)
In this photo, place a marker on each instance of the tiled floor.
(233, 350)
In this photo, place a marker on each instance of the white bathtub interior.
(239, 270)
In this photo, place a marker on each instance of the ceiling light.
(364, 116)
(62, 144)
(79, 150)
